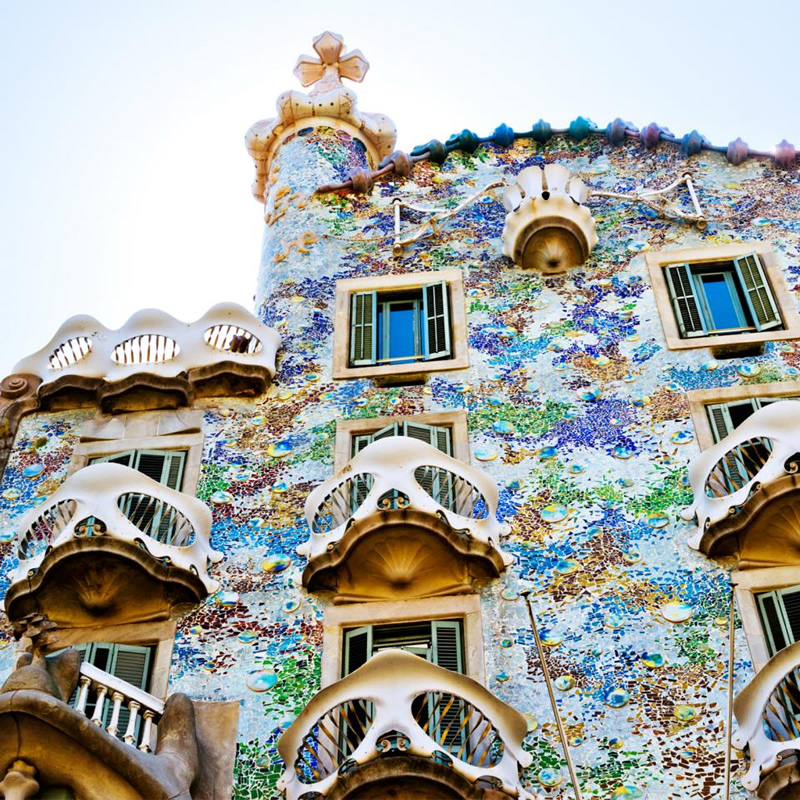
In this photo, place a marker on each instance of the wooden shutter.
(762, 304)
(131, 664)
(447, 648)
(780, 616)
(436, 315)
(720, 419)
(357, 648)
(363, 328)
(447, 652)
(684, 301)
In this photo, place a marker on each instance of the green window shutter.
(684, 301)
(357, 648)
(126, 459)
(436, 315)
(447, 647)
(363, 328)
(131, 664)
(762, 303)
(437, 436)
(720, 418)
(780, 616)
(359, 442)
(385, 433)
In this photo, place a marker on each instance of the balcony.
(113, 740)
(402, 723)
(112, 544)
(747, 491)
(154, 361)
(768, 715)
(402, 520)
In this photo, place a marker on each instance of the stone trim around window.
(160, 635)
(700, 398)
(466, 607)
(657, 261)
(391, 283)
(145, 430)
(347, 429)
(748, 584)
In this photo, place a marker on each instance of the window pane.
(399, 340)
(723, 307)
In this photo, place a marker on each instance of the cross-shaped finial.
(331, 66)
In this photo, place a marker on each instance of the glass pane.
(722, 306)
(740, 412)
(401, 331)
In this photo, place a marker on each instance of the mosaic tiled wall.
(575, 408)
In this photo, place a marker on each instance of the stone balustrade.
(732, 480)
(114, 701)
(399, 704)
(767, 712)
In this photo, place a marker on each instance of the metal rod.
(559, 724)
(729, 721)
(693, 195)
(397, 248)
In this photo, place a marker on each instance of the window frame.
(466, 608)
(149, 430)
(701, 399)
(347, 289)
(659, 261)
(347, 430)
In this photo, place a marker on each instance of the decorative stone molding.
(747, 490)
(154, 360)
(17, 398)
(186, 748)
(328, 103)
(112, 544)
(766, 715)
(402, 520)
(547, 226)
(19, 782)
(371, 714)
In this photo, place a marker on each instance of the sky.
(124, 181)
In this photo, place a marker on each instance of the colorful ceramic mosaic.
(575, 408)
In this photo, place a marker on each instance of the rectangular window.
(164, 466)
(722, 298)
(726, 417)
(780, 616)
(129, 663)
(400, 327)
(437, 436)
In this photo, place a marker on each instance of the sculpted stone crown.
(328, 102)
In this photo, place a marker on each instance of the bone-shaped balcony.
(112, 544)
(402, 520)
(154, 360)
(768, 716)
(747, 490)
(401, 719)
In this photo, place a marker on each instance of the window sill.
(408, 372)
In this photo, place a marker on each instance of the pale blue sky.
(125, 182)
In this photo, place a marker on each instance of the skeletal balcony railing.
(155, 343)
(768, 715)
(401, 473)
(117, 706)
(763, 449)
(110, 501)
(399, 703)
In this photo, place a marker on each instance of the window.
(733, 295)
(164, 466)
(726, 417)
(400, 325)
(727, 297)
(719, 411)
(437, 436)
(437, 641)
(129, 663)
(780, 616)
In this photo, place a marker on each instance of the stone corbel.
(17, 398)
(19, 783)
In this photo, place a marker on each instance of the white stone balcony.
(768, 717)
(227, 351)
(745, 490)
(402, 519)
(420, 721)
(111, 542)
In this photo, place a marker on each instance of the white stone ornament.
(548, 228)
(329, 103)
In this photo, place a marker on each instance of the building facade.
(459, 511)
